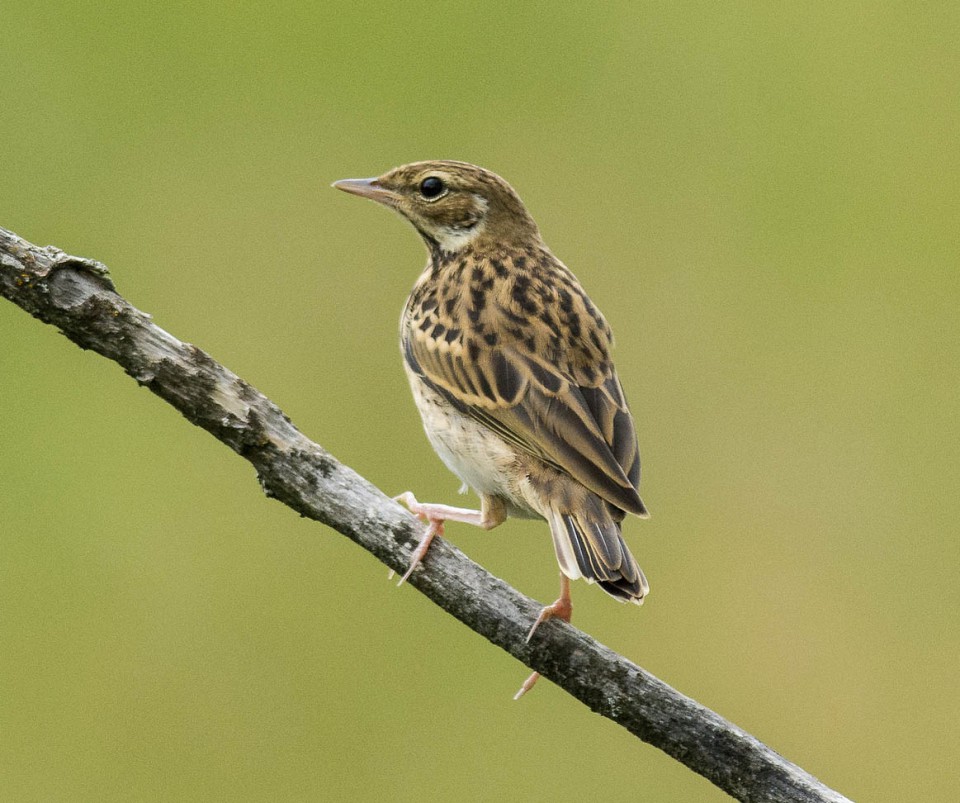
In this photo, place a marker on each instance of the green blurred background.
(763, 198)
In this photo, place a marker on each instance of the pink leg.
(491, 515)
(429, 512)
(561, 609)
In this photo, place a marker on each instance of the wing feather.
(574, 419)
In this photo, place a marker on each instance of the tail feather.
(569, 552)
(589, 544)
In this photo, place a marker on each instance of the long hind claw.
(527, 685)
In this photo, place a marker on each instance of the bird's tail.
(589, 544)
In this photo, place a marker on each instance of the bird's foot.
(435, 516)
(562, 608)
(435, 528)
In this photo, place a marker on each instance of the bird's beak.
(367, 188)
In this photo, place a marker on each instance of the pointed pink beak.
(367, 188)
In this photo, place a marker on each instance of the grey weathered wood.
(77, 296)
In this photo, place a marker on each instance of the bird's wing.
(569, 412)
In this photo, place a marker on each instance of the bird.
(509, 363)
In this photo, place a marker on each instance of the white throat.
(455, 238)
(452, 239)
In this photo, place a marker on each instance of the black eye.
(431, 187)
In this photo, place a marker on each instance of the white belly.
(476, 455)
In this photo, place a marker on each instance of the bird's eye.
(431, 187)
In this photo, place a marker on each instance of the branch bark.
(77, 296)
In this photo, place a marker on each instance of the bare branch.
(76, 295)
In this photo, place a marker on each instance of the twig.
(76, 295)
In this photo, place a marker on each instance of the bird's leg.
(492, 512)
(429, 512)
(561, 609)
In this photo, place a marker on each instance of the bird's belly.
(478, 456)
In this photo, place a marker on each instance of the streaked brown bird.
(509, 363)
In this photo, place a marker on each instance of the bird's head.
(452, 204)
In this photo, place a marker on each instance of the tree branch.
(76, 295)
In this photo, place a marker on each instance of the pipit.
(509, 363)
